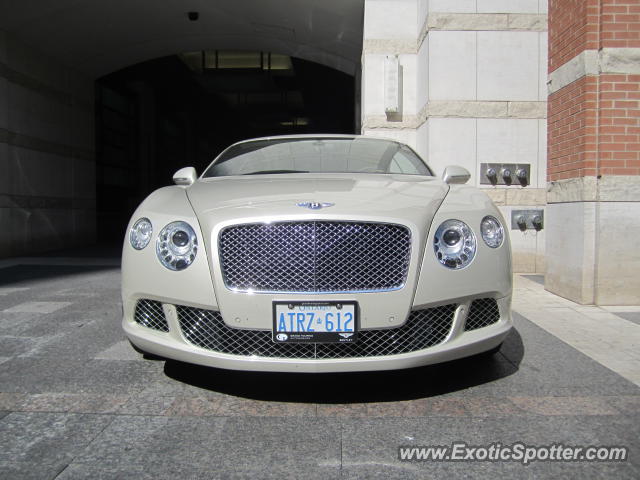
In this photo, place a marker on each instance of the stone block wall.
(47, 158)
(474, 91)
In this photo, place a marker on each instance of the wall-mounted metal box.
(518, 174)
(527, 219)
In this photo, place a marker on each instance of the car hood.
(401, 197)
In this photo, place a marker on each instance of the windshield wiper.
(266, 172)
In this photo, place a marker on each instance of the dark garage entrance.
(157, 116)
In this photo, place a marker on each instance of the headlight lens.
(140, 233)
(492, 231)
(177, 246)
(454, 244)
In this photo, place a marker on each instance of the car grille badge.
(315, 205)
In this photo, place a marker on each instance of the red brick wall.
(619, 132)
(620, 23)
(594, 122)
(571, 131)
(569, 32)
(577, 25)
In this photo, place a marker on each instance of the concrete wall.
(592, 225)
(47, 158)
(473, 91)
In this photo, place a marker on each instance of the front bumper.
(457, 342)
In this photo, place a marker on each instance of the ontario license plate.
(315, 322)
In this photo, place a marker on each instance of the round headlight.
(454, 244)
(177, 246)
(140, 233)
(492, 231)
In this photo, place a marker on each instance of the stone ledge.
(460, 109)
(527, 110)
(515, 196)
(389, 46)
(486, 22)
(486, 109)
(528, 22)
(620, 60)
(382, 121)
(467, 109)
(459, 22)
(624, 61)
(610, 188)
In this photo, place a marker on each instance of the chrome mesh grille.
(315, 256)
(423, 329)
(483, 312)
(149, 314)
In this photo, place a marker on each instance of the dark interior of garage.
(158, 116)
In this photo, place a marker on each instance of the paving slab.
(37, 307)
(631, 316)
(76, 401)
(40, 445)
(598, 332)
(258, 447)
(373, 443)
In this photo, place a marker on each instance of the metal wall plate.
(528, 216)
(484, 180)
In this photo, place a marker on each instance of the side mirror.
(455, 174)
(185, 176)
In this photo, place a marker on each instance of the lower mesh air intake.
(423, 329)
(482, 313)
(149, 314)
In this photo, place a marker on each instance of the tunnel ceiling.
(98, 37)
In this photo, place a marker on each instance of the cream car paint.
(418, 202)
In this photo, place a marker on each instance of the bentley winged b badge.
(315, 205)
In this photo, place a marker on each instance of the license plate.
(315, 322)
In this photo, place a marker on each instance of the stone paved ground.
(77, 402)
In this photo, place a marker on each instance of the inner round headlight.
(454, 244)
(492, 231)
(177, 246)
(451, 237)
(140, 233)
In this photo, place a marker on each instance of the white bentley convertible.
(320, 253)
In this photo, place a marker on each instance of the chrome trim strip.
(330, 292)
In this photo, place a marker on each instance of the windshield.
(317, 155)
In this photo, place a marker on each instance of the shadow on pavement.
(385, 386)
(26, 274)
(61, 263)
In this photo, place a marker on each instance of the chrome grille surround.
(423, 329)
(315, 257)
(149, 313)
(482, 313)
